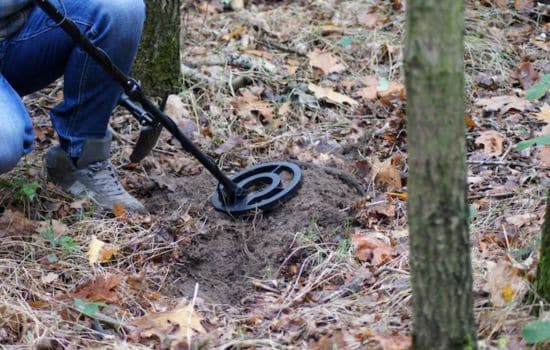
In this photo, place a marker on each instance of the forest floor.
(318, 82)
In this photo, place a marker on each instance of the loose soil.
(225, 254)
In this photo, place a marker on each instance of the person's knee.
(11, 149)
(124, 19)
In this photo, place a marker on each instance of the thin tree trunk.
(438, 210)
(158, 62)
(543, 270)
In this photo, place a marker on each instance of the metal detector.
(262, 187)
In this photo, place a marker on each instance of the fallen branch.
(236, 60)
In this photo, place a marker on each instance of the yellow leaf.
(508, 293)
(331, 96)
(94, 250)
(99, 252)
(544, 113)
(235, 33)
(107, 253)
(403, 196)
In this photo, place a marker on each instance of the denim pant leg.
(41, 52)
(16, 133)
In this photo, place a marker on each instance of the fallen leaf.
(237, 4)
(386, 172)
(392, 90)
(329, 342)
(99, 252)
(543, 155)
(15, 223)
(175, 108)
(492, 142)
(100, 289)
(284, 109)
(470, 122)
(370, 91)
(50, 277)
(394, 342)
(176, 326)
(119, 210)
(521, 219)
(504, 283)
(325, 62)
(233, 34)
(503, 104)
(544, 113)
(248, 106)
(330, 95)
(526, 75)
(371, 249)
(369, 20)
(229, 144)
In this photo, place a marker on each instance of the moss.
(158, 63)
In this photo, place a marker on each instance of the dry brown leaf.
(521, 219)
(394, 90)
(284, 109)
(255, 113)
(395, 342)
(543, 155)
(504, 283)
(100, 289)
(330, 95)
(371, 249)
(175, 327)
(292, 66)
(229, 144)
(119, 210)
(544, 113)
(492, 142)
(325, 62)
(541, 44)
(526, 75)
(470, 122)
(386, 172)
(503, 104)
(15, 223)
(369, 20)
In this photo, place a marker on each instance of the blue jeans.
(41, 53)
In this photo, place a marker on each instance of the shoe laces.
(105, 177)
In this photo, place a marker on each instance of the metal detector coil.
(264, 186)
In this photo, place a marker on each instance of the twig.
(497, 162)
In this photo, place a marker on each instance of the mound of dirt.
(225, 253)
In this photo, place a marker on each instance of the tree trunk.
(543, 270)
(438, 209)
(158, 63)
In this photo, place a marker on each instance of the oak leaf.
(371, 249)
(492, 142)
(100, 289)
(325, 62)
(177, 326)
(331, 96)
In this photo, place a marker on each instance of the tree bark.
(438, 210)
(158, 63)
(543, 270)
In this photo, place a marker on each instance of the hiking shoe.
(93, 175)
